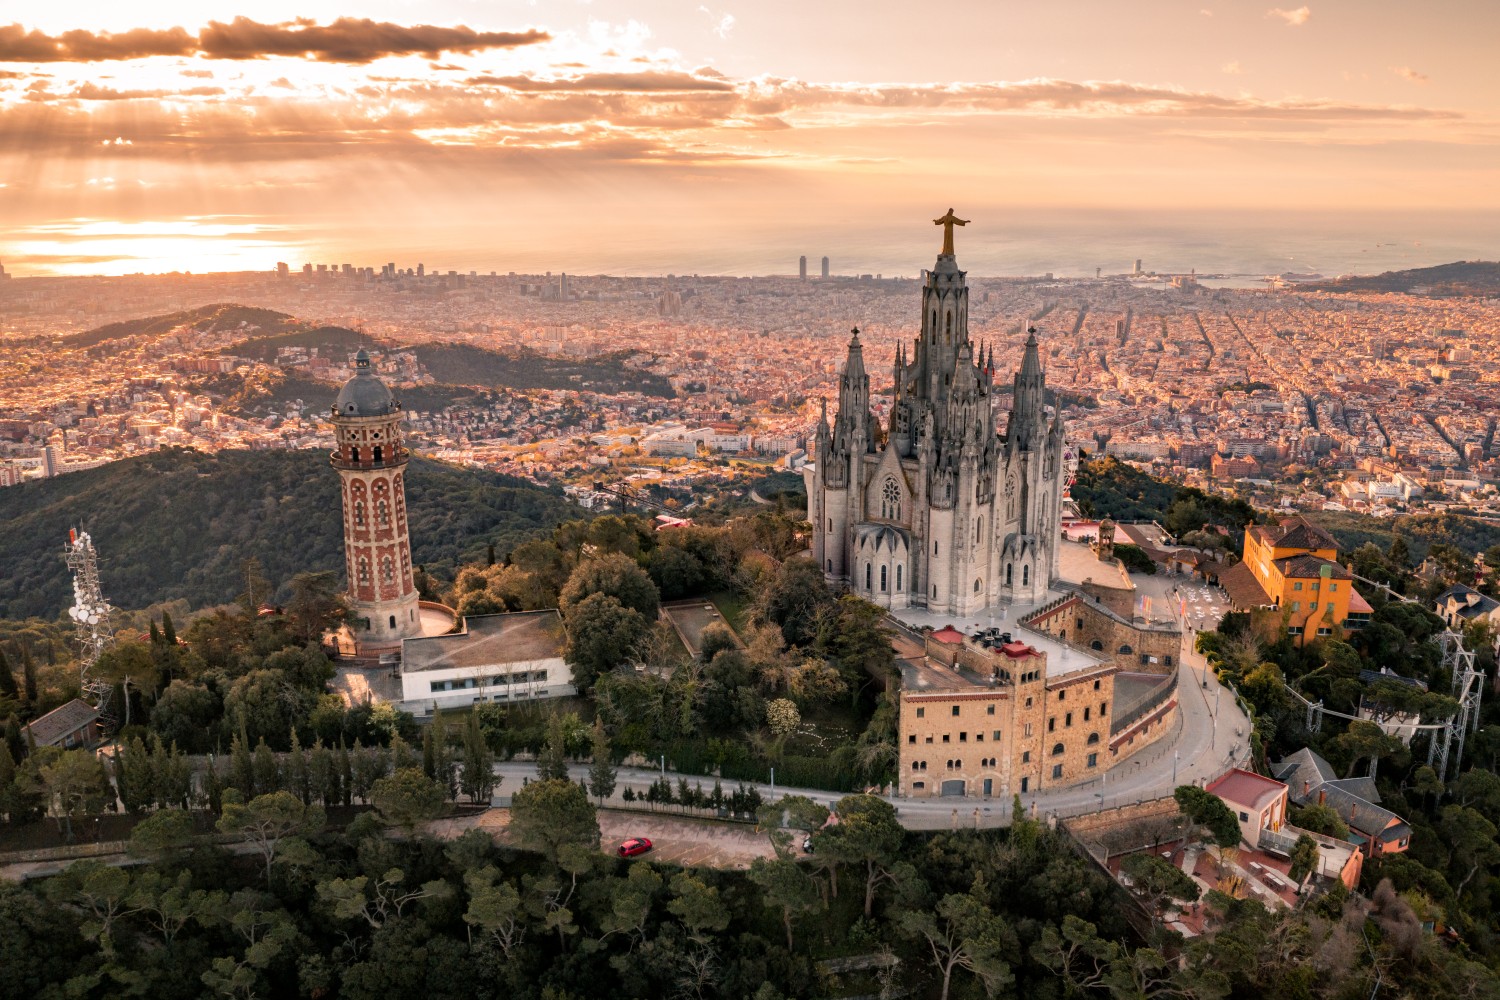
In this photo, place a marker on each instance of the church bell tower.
(371, 464)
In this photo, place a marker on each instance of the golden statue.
(948, 222)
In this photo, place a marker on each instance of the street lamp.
(1174, 768)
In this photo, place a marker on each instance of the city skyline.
(590, 137)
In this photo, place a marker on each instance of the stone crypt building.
(939, 511)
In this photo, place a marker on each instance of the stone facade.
(940, 511)
(1089, 624)
(990, 722)
(371, 463)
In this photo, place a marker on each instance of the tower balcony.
(390, 458)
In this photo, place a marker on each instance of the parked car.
(634, 846)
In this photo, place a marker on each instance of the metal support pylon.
(91, 615)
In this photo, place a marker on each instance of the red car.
(634, 846)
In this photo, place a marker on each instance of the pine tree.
(602, 770)
(28, 674)
(267, 775)
(478, 772)
(8, 686)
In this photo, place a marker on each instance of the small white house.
(492, 658)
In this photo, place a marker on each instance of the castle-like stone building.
(371, 463)
(937, 510)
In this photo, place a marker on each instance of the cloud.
(607, 83)
(92, 92)
(1293, 18)
(1410, 75)
(345, 40)
(1233, 68)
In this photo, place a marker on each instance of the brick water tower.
(372, 471)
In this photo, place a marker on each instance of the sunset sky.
(587, 135)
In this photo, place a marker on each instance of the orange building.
(1291, 571)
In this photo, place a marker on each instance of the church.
(937, 510)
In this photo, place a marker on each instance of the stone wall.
(1131, 646)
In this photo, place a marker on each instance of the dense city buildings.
(1367, 401)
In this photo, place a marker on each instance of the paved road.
(1201, 747)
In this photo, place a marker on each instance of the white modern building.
(491, 658)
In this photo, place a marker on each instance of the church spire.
(1026, 419)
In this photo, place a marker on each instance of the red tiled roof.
(949, 634)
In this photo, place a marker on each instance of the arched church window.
(1008, 568)
(382, 512)
(950, 322)
(978, 528)
(387, 570)
(364, 571)
(830, 565)
(899, 587)
(1025, 576)
(359, 513)
(867, 576)
(977, 585)
(890, 499)
(882, 579)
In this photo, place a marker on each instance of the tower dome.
(364, 395)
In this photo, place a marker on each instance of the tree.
(76, 783)
(8, 687)
(477, 772)
(1471, 838)
(267, 705)
(602, 767)
(1366, 741)
(1209, 811)
(697, 905)
(271, 823)
(552, 761)
(164, 832)
(378, 901)
(963, 933)
(549, 815)
(786, 887)
(1156, 882)
(602, 634)
(495, 908)
(1320, 818)
(866, 833)
(676, 572)
(1305, 855)
(408, 798)
(793, 599)
(614, 574)
(28, 675)
(316, 605)
(782, 717)
(187, 713)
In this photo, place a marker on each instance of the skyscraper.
(801, 267)
(825, 267)
(371, 463)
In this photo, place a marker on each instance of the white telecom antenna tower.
(91, 614)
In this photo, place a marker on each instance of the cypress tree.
(28, 674)
(346, 774)
(478, 773)
(490, 555)
(155, 635)
(8, 686)
(241, 770)
(168, 632)
(213, 789)
(296, 772)
(13, 741)
(263, 764)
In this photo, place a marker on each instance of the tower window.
(359, 513)
(393, 617)
(377, 453)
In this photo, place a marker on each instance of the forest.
(179, 524)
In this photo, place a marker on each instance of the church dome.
(364, 395)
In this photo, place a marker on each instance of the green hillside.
(461, 364)
(332, 341)
(269, 390)
(179, 524)
(220, 316)
(1464, 277)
